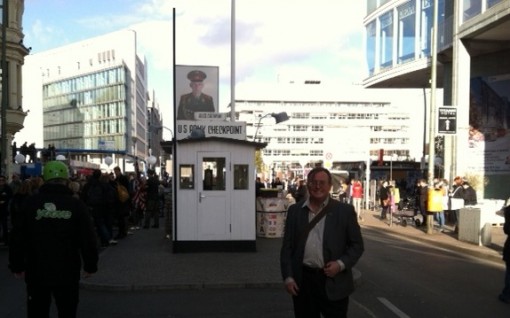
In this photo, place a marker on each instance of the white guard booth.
(215, 208)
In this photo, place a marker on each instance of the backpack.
(122, 193)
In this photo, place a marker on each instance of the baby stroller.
(405, 212)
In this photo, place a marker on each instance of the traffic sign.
(447, 120)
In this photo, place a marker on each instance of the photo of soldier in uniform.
(196, 100)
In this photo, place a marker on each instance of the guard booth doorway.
(213, 212)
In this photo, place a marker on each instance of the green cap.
(55, 170)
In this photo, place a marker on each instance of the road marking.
(392, 307)
(367, 311)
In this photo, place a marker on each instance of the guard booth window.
(240, 177)
(213, 174)
(186, 177)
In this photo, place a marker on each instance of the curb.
(462, 247)
(199, 285)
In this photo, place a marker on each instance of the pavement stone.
(144, 260)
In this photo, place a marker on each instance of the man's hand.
(292, 288)
(332, 268)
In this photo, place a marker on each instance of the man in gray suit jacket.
(316, 261)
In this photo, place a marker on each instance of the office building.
(332, 125)
(94, 98)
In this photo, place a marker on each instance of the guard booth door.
(213, 214)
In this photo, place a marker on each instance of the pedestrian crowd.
(439, 200)
(118, 203)
(55, 224)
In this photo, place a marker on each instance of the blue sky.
(275, 40)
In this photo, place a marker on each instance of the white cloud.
(274, 38)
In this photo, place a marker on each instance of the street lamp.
(151, 160)
(279, 117)
(19, 158)
(108, 160)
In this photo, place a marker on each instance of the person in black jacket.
(98, 194)
(317, 257)
(152, 208)
(5, 197)
(121, 208)
(505, 293)
(384, 197)
(469, 194)
(51, 239)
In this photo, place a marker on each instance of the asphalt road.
(400, 278)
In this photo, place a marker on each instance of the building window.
(371, 6)
(319, 116)
(300, 115)
(371, 40)
(186, 177)
(472, 8)
(240, 177)
(386, 39)
(299, 128)
(426, 27)
(491, 3)
(319, 153)
(406, 31)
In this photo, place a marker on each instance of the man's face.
(319, 186)
(196, 87)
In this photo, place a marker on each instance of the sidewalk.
(447, 240)
(144, 260)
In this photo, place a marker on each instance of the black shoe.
(155, 226)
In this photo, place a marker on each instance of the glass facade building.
(93, 99)
(399, 34)
(87, 112)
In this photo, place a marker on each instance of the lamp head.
(280, 117)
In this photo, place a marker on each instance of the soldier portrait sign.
(196, 90)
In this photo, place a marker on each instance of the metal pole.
(433, 84)
(233, 62)
(174, 140)
(391, 167)
(432, 123)
(5, 88)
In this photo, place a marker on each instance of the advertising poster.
(489, 121)
(196, 91)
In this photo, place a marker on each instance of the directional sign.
(447, 120)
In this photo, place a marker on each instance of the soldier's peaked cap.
(196, 76)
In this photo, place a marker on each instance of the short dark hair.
(316, 170)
